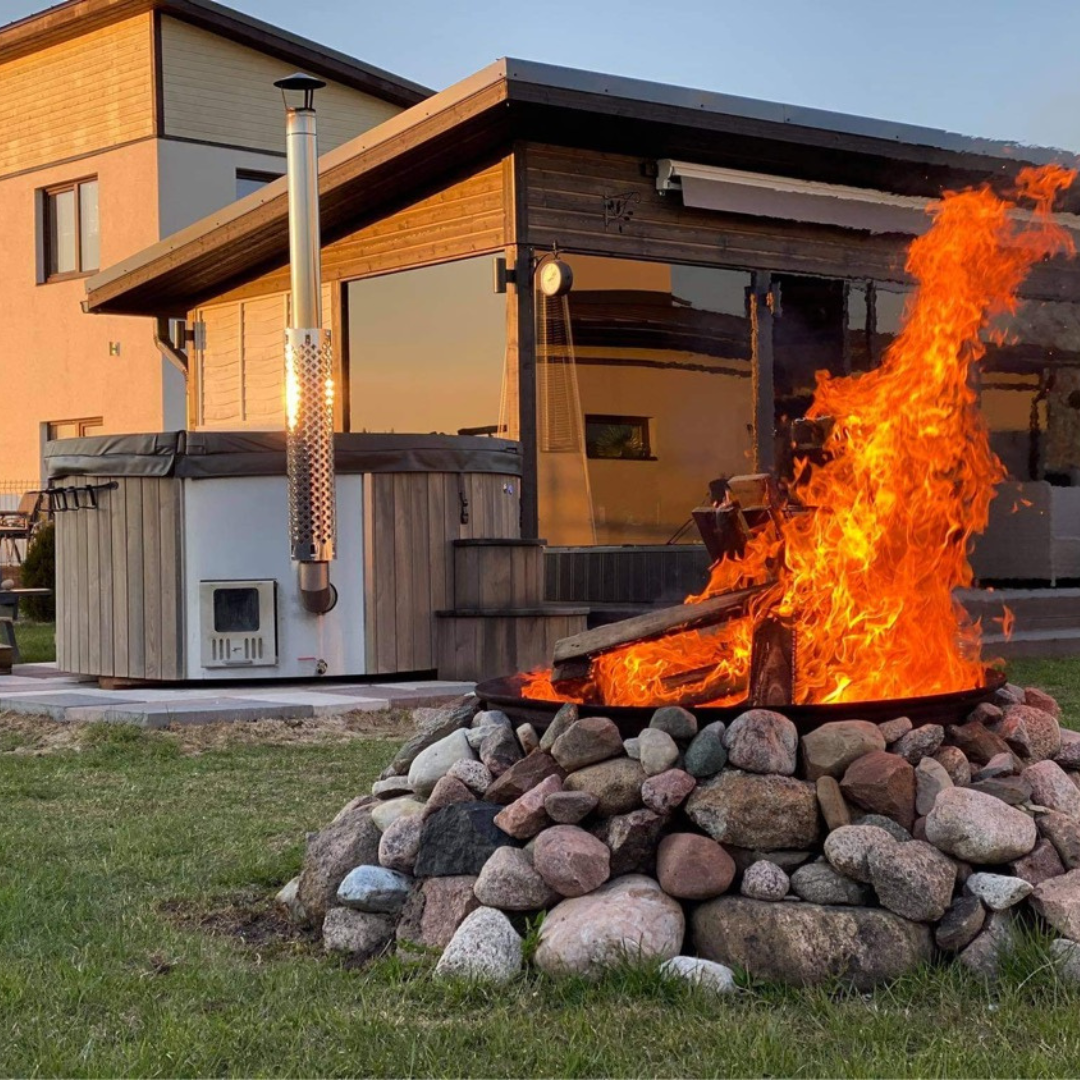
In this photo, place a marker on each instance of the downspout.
(309, 388)
(177, 357)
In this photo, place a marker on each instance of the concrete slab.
(324, 704)
(55, 705)
(40, 689)
(213, 711)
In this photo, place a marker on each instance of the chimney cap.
(300, 81)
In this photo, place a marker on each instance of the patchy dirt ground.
(250, 918)
(35, 735)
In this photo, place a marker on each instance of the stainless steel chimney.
(309, 386)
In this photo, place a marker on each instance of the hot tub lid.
(203, 454)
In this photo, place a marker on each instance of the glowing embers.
(864, 574)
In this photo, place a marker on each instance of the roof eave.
(76, 17)
(113, 289)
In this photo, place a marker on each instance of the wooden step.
(1033, 609)
(498, 574)
(474, 645)
(1034, 643)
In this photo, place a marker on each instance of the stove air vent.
(239, 623)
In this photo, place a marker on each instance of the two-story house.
(124, 121)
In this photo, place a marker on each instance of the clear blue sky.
(1001, 68)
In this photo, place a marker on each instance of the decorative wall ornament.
(619, 208)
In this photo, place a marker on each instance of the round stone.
(628, 918)
(570, 860)
(693, 867)
(706, 755)
(484, 948)
(765, 881)
(978, 828)
(679, 723)
(762, 741)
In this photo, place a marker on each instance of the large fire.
(867, 576)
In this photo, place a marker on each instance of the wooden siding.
(484, 647)
(465, 218)
(77, 97)
(490, 576)
(605, 204)
(220, 92)
(119, 582)
(411, 521)
(239, 362)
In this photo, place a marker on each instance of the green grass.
(137, 938)
(37, 641)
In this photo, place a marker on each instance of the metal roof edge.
(643, 90)
(512, 70)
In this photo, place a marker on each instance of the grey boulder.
(509, 881)
(806, 944)
(758, 812)
(362, 935)
(701, 974)
(352, 839)
(819, 883)
(374, 889)
(913, 880)
(433, 763)
(978, 828)
(484, 948)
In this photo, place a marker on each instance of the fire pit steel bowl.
(505, 694)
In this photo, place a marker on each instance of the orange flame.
(867, 577)
(1007, 620)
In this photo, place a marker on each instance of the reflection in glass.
(662, 360)
(89, 228)
(1030, 392)
(61, 211)
(427, 350)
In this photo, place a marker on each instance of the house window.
(248, 181)
(624, 438)
(73, 429)
(72, 231)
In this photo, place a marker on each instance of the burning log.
(723, 528)
(738, 508)
(772, 663)
(701, 685)
(573, 656)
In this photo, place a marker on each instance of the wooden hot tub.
(155, 523)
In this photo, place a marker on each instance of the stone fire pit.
(856, 852)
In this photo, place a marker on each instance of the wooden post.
(761, 340)
(339, 346)
(521, 337)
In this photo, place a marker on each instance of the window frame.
(47, 193)
(83, 423)
(643, 423)
(261, 176)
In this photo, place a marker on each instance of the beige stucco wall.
(55, 363)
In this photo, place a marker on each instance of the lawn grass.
(137, 937)
(37, 641)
